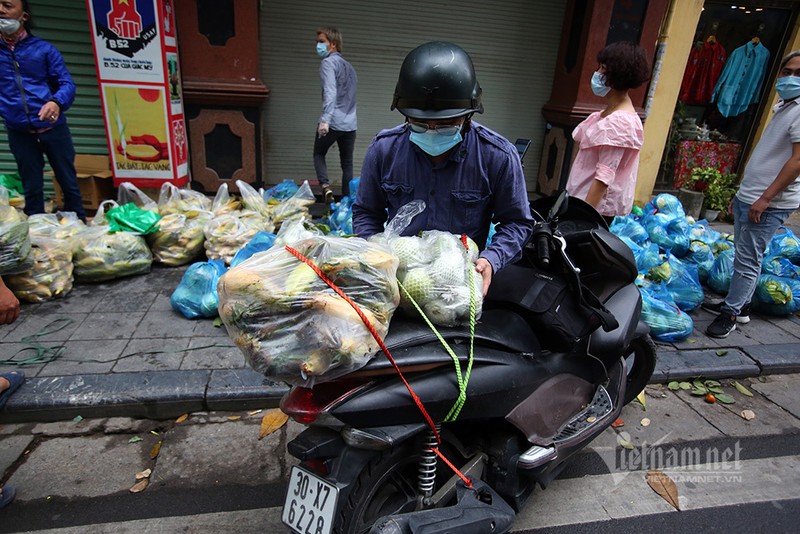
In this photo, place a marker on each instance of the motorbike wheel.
(641, 361)
(386, 486)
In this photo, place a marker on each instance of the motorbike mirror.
(559, 206)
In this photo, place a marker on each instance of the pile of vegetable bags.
(230, 227)
(290, 324)
(180, 236)
(50, 276)
(437, 270)
(778, 288)
(15, 243)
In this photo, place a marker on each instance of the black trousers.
(346, 142)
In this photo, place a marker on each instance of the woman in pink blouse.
(604, 171)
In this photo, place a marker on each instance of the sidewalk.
(127, 353)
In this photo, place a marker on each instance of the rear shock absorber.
(427, 469)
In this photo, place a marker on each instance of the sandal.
(15, 380)
(7, 494)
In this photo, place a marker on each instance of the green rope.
(463, 379)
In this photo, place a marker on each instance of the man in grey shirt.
(337, 124)
(767, 196)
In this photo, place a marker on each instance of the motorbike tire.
(387, 485)
(641, 360)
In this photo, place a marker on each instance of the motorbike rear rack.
(600, 406)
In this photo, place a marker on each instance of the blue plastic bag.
(719, 279)
(775, 295)
(703, 232)
(631, 228)
(779, 266)
(684, 284)
(666, 320)
(700, 254)
(341, 218)
(648, 257)
(669, 234)
(282, 191)
(665, 204)
(785, 244)
(353, 185)
(196, 295)
(260, 242)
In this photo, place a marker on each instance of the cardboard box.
(95, 181)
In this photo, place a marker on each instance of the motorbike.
(558, 351)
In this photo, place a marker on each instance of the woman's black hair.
(626, 65)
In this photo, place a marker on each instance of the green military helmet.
(437, 81)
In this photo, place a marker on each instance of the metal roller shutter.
(66, 25)
(513, 43)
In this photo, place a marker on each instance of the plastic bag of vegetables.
(223, 203)
(172, 199)
(51, 274)
(437, 270)
(101, 256)
(179, 238)
(666, 320)
(196, 295)
(294, 207)
(261, 241)
(226, 234)
(629, 227)
(776, 296)
(779, 266)
(129, 193)
(719, 278)
(784, 243)
(341, 218)
(15, 243)
(291, 325)
(253, 201)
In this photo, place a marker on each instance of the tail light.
(305, 405)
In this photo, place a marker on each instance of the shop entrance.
(726, 85)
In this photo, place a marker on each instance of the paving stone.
(782, 358)
(151, 355)
(128, 425)
(83, 427)
(244, 389)
(188, 451)
(164, 325)
(127, 300)
(111, 325)
(787, 324)
(82, 299)
(13, 447)
(63, 467)
(19, 352)
(706, 363)
(161, 302)
(764, 332)
(206, 328)
(60, 325)
(220, 354)
(782, 390)
(85, 357)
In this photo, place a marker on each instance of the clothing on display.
(739, 86)
(704, 68)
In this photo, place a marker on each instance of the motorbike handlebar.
(543, 250)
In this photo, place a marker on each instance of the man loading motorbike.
(467, 175)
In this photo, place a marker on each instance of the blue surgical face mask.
(433, 143)
(322, 50)
(599, 86)
(788, 87)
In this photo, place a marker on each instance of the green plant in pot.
(717, 188)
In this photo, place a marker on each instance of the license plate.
(310, 503)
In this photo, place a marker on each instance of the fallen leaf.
(640, 398)
(77, 419)
(155, 450)
(234, 417)
(618, 423)
(674, 386)
(711, 384)
(715, 389)
(698, 384)
(135, 439)
(748, 415)
(722, 352)
(645, 422)
(182, 418)
(664, 486)
(143, 474)
(700, 392)
(140, 486)
(762, 379)
(272, 421)
(691, 340)
(686, 386)
(741, 389)
(624, 440)
(724, 398)
(217, 322)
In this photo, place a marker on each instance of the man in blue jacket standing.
(337, 123)
(35, 90)
(468, 175)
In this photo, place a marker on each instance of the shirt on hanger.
(739, 86)
(702, 72)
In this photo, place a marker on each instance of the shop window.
(728, 78)
(627, 19)
(215, 20)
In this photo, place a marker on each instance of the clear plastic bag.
(196, 295)
(180, 237)
(15, 243)
(172, 199)
(51, 274)
(253, 201)
(436, 269)
(130, 193)
(294, 207)
(101, 256)
(227, 234)
(291, 325)
(223, 203)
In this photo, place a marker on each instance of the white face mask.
(9, 26)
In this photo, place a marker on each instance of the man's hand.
(757, 209)
(9, 305)
(485, 269)
(49, 112)
(323, 129)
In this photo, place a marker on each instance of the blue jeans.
(346, 142)
(751, 240)
(29, 150)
